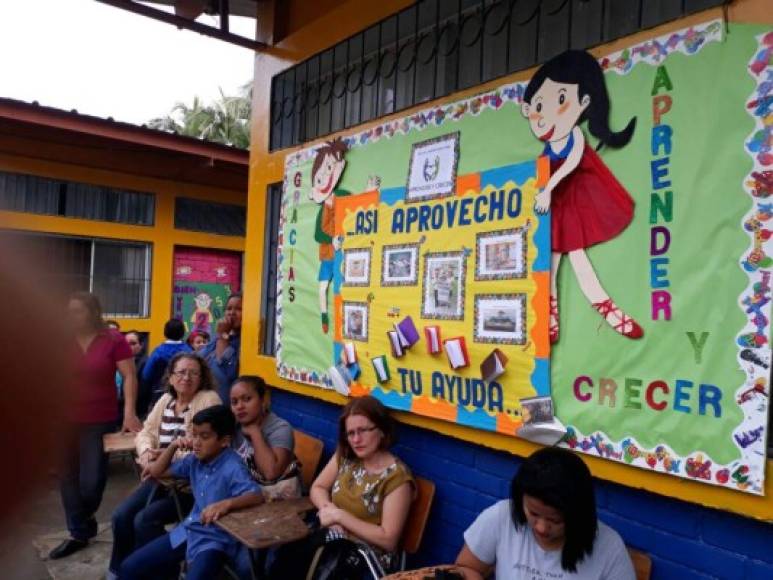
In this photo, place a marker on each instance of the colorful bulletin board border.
(746, 473)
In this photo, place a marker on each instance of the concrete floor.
(39, 525)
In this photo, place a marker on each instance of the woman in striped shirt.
(142, 516)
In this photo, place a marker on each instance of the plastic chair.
(308, 451)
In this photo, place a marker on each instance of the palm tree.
(226, 120)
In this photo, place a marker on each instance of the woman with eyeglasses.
(364, 493)
(142, 516)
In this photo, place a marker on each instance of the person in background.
(547, 528)
(222, 354)
(220, 483)
(363, 494)
(198, 339)
(98, 352)
(142, 516)
(137, 344)
(174, 330)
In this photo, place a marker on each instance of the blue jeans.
(83, 477)
(141, 518)
(159, 559)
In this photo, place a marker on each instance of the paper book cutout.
(432, 336)
(341, 379)
(543, 433)
(381, 368)
(354, 370)
(456, 349)
(408, 333)
(493, 365)
(395, 343)
(350, 353)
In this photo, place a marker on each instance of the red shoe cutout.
(553, 327)
(627, 326)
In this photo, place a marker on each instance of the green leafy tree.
(225, 120)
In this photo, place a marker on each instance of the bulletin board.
(434, 220)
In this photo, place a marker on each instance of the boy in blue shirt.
(220, 484)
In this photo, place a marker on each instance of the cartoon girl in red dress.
(589, 205)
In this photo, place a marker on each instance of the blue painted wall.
(684, 541)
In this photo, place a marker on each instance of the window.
(211, 217)
(118, 272)
(41, 195)
(268, 301)
(436, 47)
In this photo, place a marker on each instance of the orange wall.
(320, 32)
(161, 235)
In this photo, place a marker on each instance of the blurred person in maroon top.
(98, 352)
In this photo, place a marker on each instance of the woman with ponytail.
(588, 204)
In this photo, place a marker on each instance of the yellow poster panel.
(460, 278)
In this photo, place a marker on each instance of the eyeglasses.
(187, 373)
(359, 431)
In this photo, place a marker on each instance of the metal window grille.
(42, 195)
(206, 216)
(436, 47)
(118, 272)
(270, 265)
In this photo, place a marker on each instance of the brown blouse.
(362, 493)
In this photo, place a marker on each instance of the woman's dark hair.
(560, 479)
(92, 304)
(256, 383)
(192, 336)
(219, 417)
(377, 413)
(207, 382)
(234, 295)
(578, 67)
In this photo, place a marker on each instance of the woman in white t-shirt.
(547, 529)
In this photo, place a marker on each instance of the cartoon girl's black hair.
(580, 68)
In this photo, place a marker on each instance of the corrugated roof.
(34, 112)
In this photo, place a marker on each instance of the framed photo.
(500, 318)
(535, 410)
(501, 255)
(400, 265)
(356, 319)
(357, 267)
(432, 170)
(444, 280)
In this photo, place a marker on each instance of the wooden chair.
(642, 564)
(417, 518)
(308, 450)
